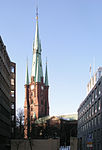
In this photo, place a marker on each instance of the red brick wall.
(38, 97)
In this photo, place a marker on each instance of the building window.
(83, 118)
(12, 106)
(92, 97)
(95, 93)
(12, 81)
(95, 107)
(99, 88)
(87, 104)
(90, 100)
(12, 93)
(89, 112)
(12, 117)
(99, 104)
(31, 108)
(92, 110)
(99, 108)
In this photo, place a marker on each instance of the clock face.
(42, 87)
(32, 87)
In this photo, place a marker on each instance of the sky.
(71, 37)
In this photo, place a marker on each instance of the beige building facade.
(35, 144)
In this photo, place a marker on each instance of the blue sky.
(71, 36)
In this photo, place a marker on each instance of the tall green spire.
(27, 75)
(37, 53)
(37, 40)
(46, 76)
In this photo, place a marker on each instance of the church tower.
(36, 103)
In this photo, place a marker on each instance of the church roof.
(69, 117)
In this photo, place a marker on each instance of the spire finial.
(46, 60)
(37, 11)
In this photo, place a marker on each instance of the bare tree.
(20, 123)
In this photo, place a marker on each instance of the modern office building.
(36, 91)
(7, 97)
(90, 116)
(13, 99)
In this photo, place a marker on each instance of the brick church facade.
(36, 102)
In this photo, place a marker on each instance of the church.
(36, 104)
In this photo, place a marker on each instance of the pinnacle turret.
(46, 76)
(27, 75)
